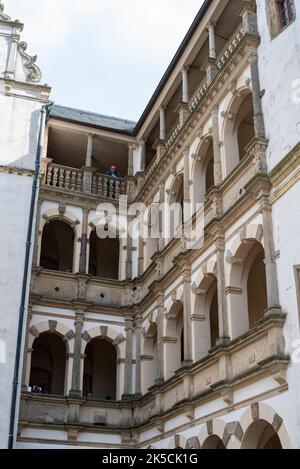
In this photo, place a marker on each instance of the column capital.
(252, 57)
(214, 109)
(211, 24)
(128, 324)
(186, 151)
(139, 322)
(79, 318)
(247, 5)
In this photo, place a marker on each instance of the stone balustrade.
(72, 179)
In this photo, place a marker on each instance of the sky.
(105, 56)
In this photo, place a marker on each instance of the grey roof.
(91, 118)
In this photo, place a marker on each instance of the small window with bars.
(287, 12)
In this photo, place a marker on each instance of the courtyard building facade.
(148, 339)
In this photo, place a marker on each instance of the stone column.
(259, 125)
(138, 369)
(76, 390)
(129, 257)
(162, 132)
(83, 241)
(271, 268)
(187, 208)
(143, 155)
(185, 85)
(88, 169)
(27, 353)
(128, 360)
(188, 359)
(216, 144)
(89, 151)
(141, 255)
(161, 234)
(131, 147)
(212, 40)
(222, 303)
(160, 376)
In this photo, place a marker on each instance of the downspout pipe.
(22, 308)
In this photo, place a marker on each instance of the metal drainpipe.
(44, 111)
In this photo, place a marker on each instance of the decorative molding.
(17, 171)
(3, 16)
(33, 71)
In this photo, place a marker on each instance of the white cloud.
(105, 55)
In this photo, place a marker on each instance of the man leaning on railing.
(113, 172)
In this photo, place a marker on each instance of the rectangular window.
(287, 12)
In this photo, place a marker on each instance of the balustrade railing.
(73, 179)
(107, 186)
(230, 47)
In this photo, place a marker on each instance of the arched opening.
(248, 298)
(257, 287)
(238, 130)
(100, 370)
(213, 442)
(149, 358)
(214, 314)
(57, 246)
(206, 333)
(203, 178)
(209, 168)
(174, 351)
(104, 256)
(245, 124)
(182, 345)
(261, 435)
(152, 234)
(48, 363)
(176, 207)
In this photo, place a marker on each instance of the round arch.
(118, 341)
(54, 214)
(216, 429)
(203, 169)
(66, 334)
(246, 275)
(101, 250)
(177, 442)
(260, 423)
(174, 333)
(149, 356)
(237, 129)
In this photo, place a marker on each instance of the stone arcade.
(139, 343)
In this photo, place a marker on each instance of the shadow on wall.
(27, 161)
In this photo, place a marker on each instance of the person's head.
(113, 168)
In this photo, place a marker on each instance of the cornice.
(17, 171)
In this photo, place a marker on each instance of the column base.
(186, 363)
(127, 397)
(159, 381)
(74, 393)
(223, 341)
(273, 311)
